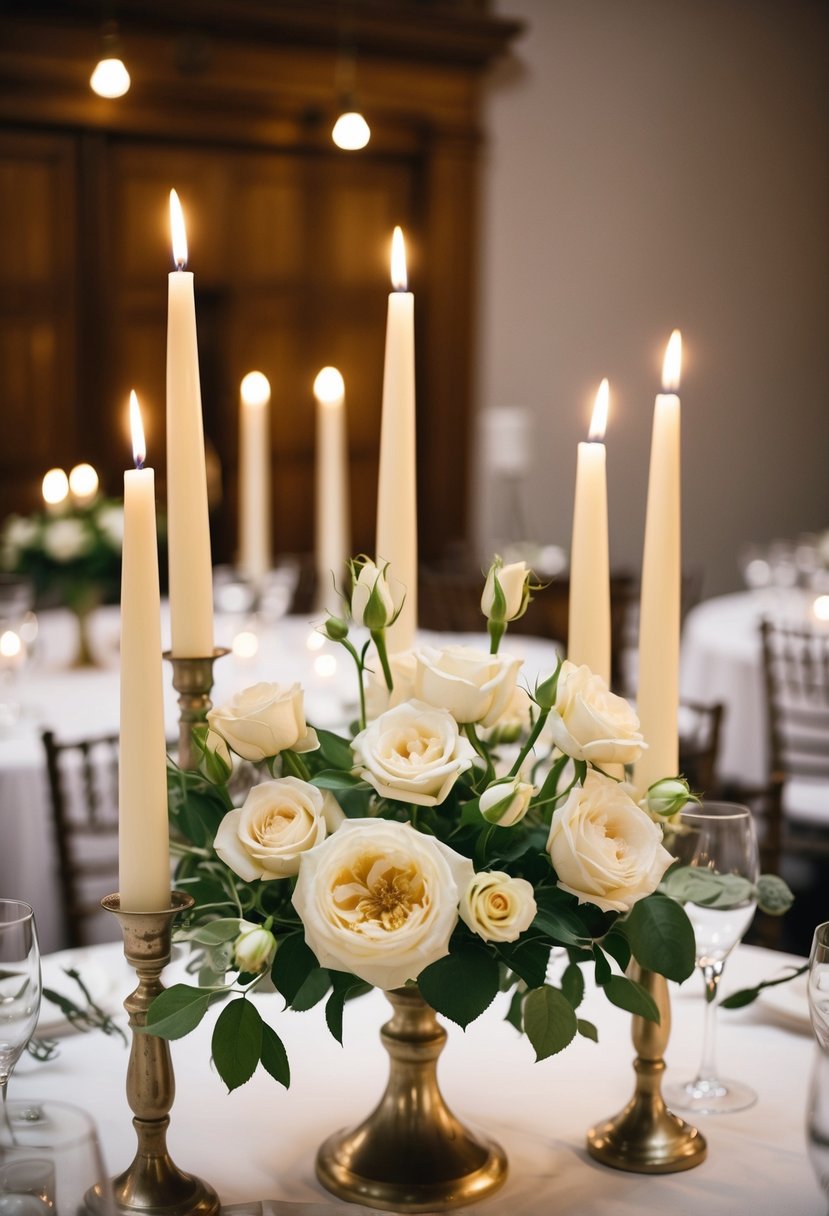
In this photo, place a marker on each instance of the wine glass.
(716, 837)
(20, 986)
(817, 1118)
(53, 1164)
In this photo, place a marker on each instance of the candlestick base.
(193, 681)
(152, 1185)
(645, 1137)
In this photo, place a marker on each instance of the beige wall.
(651, 164)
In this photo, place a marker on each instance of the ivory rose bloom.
(264, 720)
(413, 753)
(66, 539)
(472, 685)
(605, 849)
(589, 722)
(497, 906)
(380, 900)
(378, 697)
(507, 801)
(278, 822)
(375, 599)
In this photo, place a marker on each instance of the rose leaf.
(274, 1056)
(462, 984)
(587, 1030)
(293, 963)
(572, 984)
(628, 995)
(237, 1043)
(549, 1021)
(661, 937)
(177, 1011)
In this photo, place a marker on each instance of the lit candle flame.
(598, 423)
(329, 386)
(55, 487)
(255, 389)
(179, 231)
(672, 365)
(399, 280)
(139, 446)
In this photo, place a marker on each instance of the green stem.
(472, 735)
(378, 637)
(528, 746)
(295, 766)
(496, 632)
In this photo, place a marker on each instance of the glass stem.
(4, 1085)
(711, 973)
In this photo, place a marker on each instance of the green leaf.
(528, 958)
(461, 985)
(335, 750)
(618, 947)
(549, 1021)
(334, 779)
(293, 963)
(587, 1030)
(572, 984)
(627, 994)
(745, 996)
(603, 972)
(515, 1014)
(237, 1043)
(696, 885)
(774, 896)
(274, 1056)
(177, 1011)
(215, 932)
(561, 925)
(661, 937)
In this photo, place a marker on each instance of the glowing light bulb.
(351, 131)
(110, 78)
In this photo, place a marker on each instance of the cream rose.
(506, 802)
(66, 539)
(380, 900)
(264, 720)
(376, 599)
(506, 591)
(589, 722)
(378, 698)
(413, 753)
(605, 849)
(497, 906)
(254, 948)
(472, 685)
(278, 822)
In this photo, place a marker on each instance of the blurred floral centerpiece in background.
(464, 828)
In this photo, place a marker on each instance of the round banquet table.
(82, 702)
(258, 1143)
(722, 660)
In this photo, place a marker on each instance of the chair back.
(83, 790)
(699, 744)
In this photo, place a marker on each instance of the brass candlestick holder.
(645, 1137)
(153, 1185)
(193, 681)
(411, 1154)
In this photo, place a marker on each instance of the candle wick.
(139, 462)
(181, 264)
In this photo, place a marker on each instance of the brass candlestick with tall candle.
(646, 1137)
(588, 629)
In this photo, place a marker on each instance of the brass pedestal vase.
(645, 1137)
(411, 1154)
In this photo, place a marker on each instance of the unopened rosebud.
(374, 603)
(668, 796)
(254, 948)
(506, 591)
(335, 629)
(546, 692)
(506, 802)
(215, 760)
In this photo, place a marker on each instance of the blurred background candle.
(588, 630)
(143, 849)
(659, 615)
(55, 489)
(83, 484)
(191, 575)
(332, 525)
(397, 487)
(254, 558)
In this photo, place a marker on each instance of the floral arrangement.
(466, 828)
(72, 553)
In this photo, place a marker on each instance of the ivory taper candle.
(143, 840)
(254, 477)
(659, 611)
(188, 526)
(397, 487)
(331, 521)
(588, 630)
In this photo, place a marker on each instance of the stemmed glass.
(20, 986)
(717, 837)
(817, 1120)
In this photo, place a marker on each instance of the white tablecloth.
(722, 660)
(80, 702)
(259, 1142)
